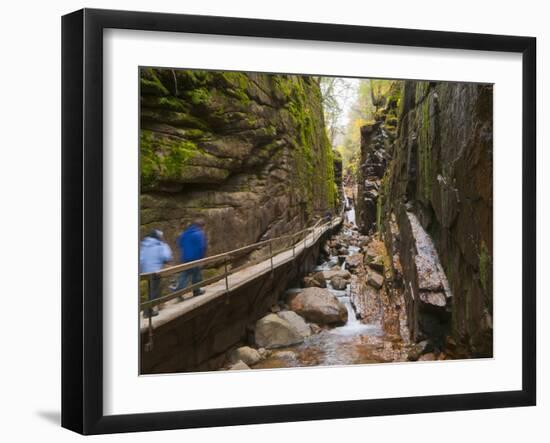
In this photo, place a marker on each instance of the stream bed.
(355, 342)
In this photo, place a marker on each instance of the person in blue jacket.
(154, 253)
(192, 244)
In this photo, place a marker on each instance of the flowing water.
(356, 342)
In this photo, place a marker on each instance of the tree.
(336, 92)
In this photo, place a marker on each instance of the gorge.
(407, 273)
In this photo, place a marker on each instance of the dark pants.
(154, 292)
(194, 274)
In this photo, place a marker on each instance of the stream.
(356, 342)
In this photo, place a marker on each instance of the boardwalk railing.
(226, 260)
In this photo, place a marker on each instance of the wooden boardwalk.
(174, 308)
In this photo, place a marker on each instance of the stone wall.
(246, 152)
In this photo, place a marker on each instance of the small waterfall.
(353, 326)
(350, 211)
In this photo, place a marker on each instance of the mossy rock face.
(190, 117)
(247, 152)
(439, 147)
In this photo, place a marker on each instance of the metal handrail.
(214, 258)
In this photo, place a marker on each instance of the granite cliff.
(425, 185)
(248, 153)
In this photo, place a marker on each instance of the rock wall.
(246, 152)
(377, 140)
(435, 204)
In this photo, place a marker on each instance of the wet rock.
(316, 280)
(354, 261)
(245, 354)
(430, 356)
(239, 366)
(376, 263)
(287, 355)
(370, 253)
(264, 353)
(433, 300)
(297, 322)
(327, 275)
(309, 282)
(338, 283)
(418, 349)
(343, 251)
(319, 306)
(315, 328)
(375, 279)
(273, 331)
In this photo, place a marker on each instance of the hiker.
(192, 244)
(154, 253)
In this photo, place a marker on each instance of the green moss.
(484, 266)
(379, 214)
(150, 83)
(195, 134)
(178, 119)
(162, 158)
(236, 86)
(148, 159)
(199, 96)
(171, 103)
(177, 156)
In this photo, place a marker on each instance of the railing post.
(226, 276)
(149, 344)
(271, 254)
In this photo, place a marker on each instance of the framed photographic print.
(269, 221)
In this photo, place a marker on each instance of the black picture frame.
(82, 218)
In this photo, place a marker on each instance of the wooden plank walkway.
(174, 308)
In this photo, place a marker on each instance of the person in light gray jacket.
(154, 253)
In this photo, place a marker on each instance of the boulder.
(375, 279)
(310, 282)
(273, 331)
(336, 272)
(428, 357)
(418, 349)
(319, 306)
(376, 263)
(264, 353)
(239, 366)
(287, 355)
(343, 251)
(316, 280)
(315, 328)
(354, 261)
(245, 354)
(320, 278)
(296, 322)
(338, 283)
